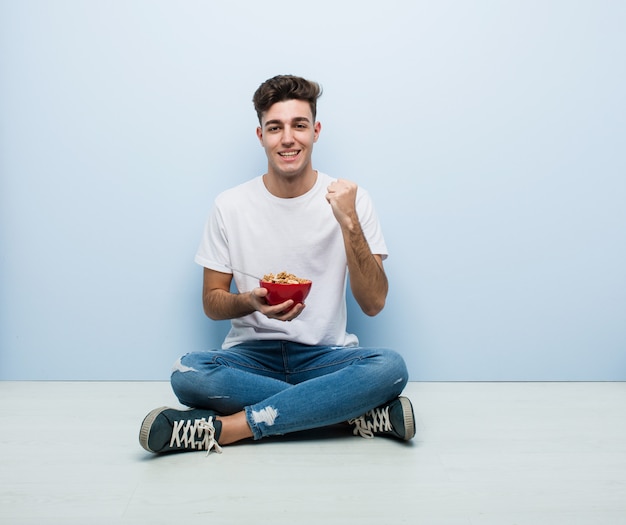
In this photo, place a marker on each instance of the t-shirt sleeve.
(212, 252)
(370, 224)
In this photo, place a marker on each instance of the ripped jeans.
(287, 387)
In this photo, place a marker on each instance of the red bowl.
(279, 293)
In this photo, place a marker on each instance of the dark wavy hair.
(286, 87)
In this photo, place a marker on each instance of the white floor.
(485, 454)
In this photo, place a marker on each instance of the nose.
(287, 138)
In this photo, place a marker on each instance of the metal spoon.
(243, 273)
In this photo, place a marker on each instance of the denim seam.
(224, 361)
(330, 365)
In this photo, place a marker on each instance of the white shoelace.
(196, 435)
(376, 420)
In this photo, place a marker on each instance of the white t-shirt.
(254, 231)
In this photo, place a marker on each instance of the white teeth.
(288, 154)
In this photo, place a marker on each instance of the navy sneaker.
(170, 430)
(392, 419)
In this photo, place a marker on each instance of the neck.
(289, 187)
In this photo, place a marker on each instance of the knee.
(184, 379)
(393, 360)
(183, 365)
(178, 381)
(395, 368)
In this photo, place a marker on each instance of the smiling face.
(287, 133)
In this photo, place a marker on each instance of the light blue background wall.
(491, 134)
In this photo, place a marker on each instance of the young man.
(287, 367)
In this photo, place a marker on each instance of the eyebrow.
(277, 121)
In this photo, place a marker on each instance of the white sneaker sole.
(144, 433)
(409, 419)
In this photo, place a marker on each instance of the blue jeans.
(286, 387)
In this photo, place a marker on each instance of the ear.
(317, 129)
(259, 134)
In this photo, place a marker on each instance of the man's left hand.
(342, 198)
